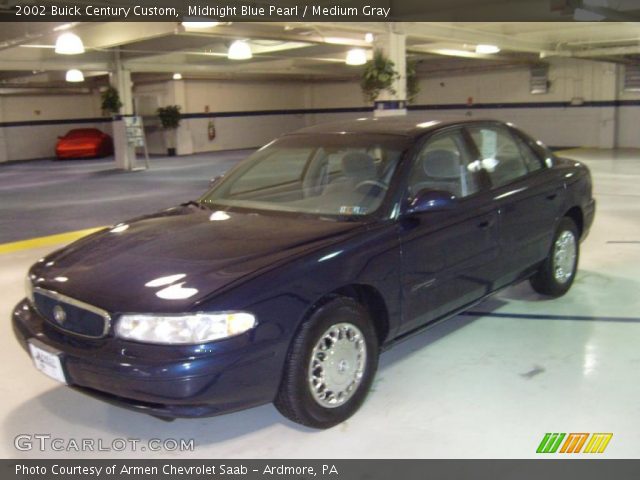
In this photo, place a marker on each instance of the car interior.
(345, 180)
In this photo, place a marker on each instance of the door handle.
(552, 196)
(485, 224)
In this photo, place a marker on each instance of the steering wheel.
(371, 183)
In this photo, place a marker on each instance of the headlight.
(28, 288)
(183, 329)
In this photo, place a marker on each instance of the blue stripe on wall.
(255, 113)
(67, 121)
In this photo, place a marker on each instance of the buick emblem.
(59, 314)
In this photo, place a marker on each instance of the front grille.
(71, 315)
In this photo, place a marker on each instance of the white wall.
(593, 81)
(587, 125)
(234, 96)
(441, 97)
(558, 126)
(20, 108)
(596, 126)
(224, 96)
(334, 95)
(38, 140)
(628, 124)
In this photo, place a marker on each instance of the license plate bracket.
(48, 360)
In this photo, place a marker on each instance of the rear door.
(447, 256)
(526, 193)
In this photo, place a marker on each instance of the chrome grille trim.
(76, 303)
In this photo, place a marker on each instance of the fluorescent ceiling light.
(239, 50)
(487, 49)
(74, 75)
(356, 56)
(64, 26)
(177, 76)
(200, 24)
(36, 45)
(454, 52)
(69, 44)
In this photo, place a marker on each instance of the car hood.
(171, 261)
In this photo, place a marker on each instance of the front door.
(447, 256)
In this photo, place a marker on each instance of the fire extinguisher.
(211, 130)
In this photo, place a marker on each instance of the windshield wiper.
(194, 203)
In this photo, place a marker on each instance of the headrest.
(358, 164)
(441, 164)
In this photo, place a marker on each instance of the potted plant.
(170, 121)
(413, 87)
(111, 103)
(378, 75)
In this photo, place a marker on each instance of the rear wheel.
(556, 274)
(330, 367)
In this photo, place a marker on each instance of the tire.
(350, 372)
(557, 272)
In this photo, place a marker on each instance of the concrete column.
(125, 155)
(605, 78)
(184, 140)
(619, 85)
(393, 44)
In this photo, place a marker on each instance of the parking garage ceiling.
(311, 51)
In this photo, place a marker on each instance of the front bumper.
(166, 381)
(77, 153)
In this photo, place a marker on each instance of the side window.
(500, 155)
(442, 164)
(531, 159)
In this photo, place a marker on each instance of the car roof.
(404, 126)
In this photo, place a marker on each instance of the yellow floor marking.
(46, 241)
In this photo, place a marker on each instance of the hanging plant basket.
(379, 74)
(413, 87)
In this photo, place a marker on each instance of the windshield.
(343, 175)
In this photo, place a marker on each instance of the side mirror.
(215, 180)
(432, 201)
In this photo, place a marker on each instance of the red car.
(84, 143)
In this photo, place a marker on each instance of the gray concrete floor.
(487, 384)
(45, 197)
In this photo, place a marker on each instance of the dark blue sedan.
(288, 277)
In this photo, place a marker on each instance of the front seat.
(440, 171)
(357, 167)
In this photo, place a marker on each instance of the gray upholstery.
(440, 171)
(357, 167)
(441, 165)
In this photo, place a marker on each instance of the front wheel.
(330, 366)
(556, 274)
